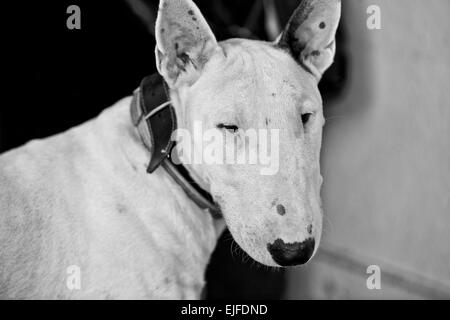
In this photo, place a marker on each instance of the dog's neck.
(176, 99)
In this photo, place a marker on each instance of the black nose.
(291, 254)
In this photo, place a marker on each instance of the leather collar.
(154, 116)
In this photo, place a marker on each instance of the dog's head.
(254, 111)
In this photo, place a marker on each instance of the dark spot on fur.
(274, 202)
(267, 121)
(322, 25)
(274, 94)
(194, 18)
(190, 12)
(281, 209)
(309, 229)
(121, 209)
(163, 30)
(315, 53)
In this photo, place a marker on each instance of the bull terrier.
(83, 215)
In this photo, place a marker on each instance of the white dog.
(83, 204)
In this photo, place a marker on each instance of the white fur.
(84, 197)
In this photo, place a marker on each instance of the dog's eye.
(230, 127)
(306, 117)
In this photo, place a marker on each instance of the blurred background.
(385, 157)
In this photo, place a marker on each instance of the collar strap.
(154, 116)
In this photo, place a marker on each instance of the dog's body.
(83, 199)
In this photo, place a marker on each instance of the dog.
(86, 205)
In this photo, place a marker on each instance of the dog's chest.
(160, 254)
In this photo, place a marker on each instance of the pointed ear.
(184, 42)
(310, 34)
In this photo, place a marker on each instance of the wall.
(386, 160)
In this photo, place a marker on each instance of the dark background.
(56, 78)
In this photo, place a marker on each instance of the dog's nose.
(291, 254)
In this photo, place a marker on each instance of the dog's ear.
(310, 34)
(184, 42)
